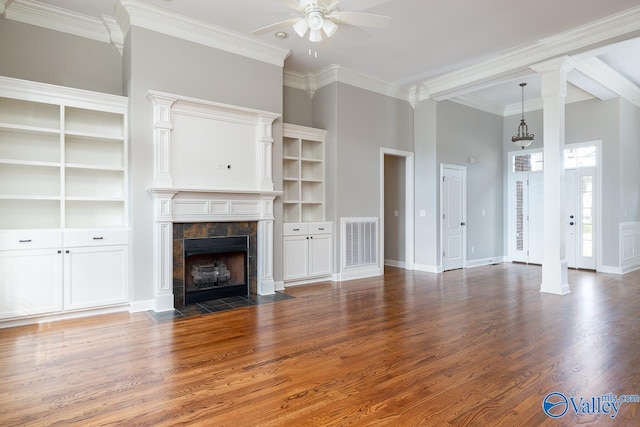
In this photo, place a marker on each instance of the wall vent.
(359, 242)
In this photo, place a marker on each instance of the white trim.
(608, 269)
(307, 281)
(336, 73)
(463, 169)
(515, 61)
(428, 268)
(141, 14)
(409, 162)
(394, 263)
(144, 305)
(58, 19)
(597, 70)
(629, 246)
(486, 261)
(62, 316)
(279, 285)
(358, 274)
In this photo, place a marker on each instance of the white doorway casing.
(453, 216)
(409, 203)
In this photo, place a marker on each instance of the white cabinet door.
(296, 257)
(30, 282)
(320, 246)
(96, 276)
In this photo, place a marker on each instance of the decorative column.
(163, 250)
(554, 90)
(162, 173)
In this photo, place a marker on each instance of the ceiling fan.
(318, 16)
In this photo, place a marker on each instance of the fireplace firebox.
(216, 267)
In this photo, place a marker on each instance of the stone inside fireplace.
(228, 258)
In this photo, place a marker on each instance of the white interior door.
(526, 217)
(453, 218)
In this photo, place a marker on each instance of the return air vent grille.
(359, 242)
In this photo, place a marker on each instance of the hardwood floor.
(468, 347)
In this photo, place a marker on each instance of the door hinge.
(443, 178)
(442, 216)
(443, 254)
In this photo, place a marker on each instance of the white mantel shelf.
(229, 191)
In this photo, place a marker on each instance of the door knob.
(571, 223)
(463, 223)
(571, 216)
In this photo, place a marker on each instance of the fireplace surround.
(212, 166)
(232, 243)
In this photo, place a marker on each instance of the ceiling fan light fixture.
(301, 27)
(315, 19)
(523, 139)
(315, 36)
(329, 27)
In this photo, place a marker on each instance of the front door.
(579, 228)
(453, 218)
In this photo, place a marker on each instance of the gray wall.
(464, 132)
(297, 108)
(197, 71)
(394, 201)
(367, 122)
(629, 161)
(426, 185)
(38, 54)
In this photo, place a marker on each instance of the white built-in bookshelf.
(61, 165)
(303, 174)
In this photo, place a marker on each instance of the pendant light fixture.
(523, 139)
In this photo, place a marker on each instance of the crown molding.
(515, 60)
(295, 80)
(58, 19)
(140, 14)
(479, 102)
(311, 82)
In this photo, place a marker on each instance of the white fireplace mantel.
(212, 163)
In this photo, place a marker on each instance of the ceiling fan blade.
(276, 26)
(293, 4)
(361, 19)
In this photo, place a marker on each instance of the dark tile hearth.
(216, 306)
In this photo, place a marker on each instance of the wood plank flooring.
(468, 347)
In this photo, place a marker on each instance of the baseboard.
(608, 269)
(307, 281)
(279, 285)
(394, 263)
(61, 316)
(360, 273)
(138, 306)
(163, 302)
(486, 261)
(427, 268)
(629, 268)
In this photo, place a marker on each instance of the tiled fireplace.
(184, 290)
(212, 179)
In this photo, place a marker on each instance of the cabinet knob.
(66, 252)
(98, 238)
(25, 241)
(296, 229)
(311, 237)
(321, 228)
(60, 252)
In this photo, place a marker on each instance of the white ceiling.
(425, 38)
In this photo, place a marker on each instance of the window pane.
(587, 184)
(537, 162)
(519, 216)
(589, 151)
(586, 161)
(587, 232)
(587, 248)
